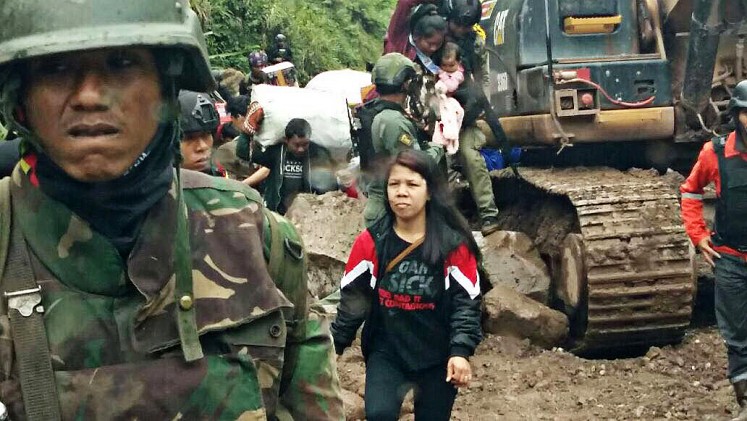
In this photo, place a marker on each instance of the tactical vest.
(364, 137)
(731, 211)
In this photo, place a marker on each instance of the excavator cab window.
(583, 17)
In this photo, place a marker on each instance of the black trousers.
(731, 312)
(387, 383)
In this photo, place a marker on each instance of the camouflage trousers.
(471, 140)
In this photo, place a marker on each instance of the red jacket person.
(723, 161)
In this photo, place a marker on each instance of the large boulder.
(512, 260)
(509, 313)
(328, 224)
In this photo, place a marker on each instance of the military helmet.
(462, 12)
(392, 70)
(279, 38)
(37, 28)
(198, 113)
(257, 58)
(738, 97)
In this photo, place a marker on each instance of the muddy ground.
(517, 381)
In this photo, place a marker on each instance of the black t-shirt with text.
(409, 303)
(292, 180)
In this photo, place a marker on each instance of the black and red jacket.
(431, 314)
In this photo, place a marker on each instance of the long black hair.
(426, 22)
(443, 221)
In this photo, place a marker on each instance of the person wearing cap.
(133, 289)
(723, 162)
(235, 155)
(257, 61)
(392, 130)
(198, 122)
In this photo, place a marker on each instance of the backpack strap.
(276, 248)
(719, 144)
(4, 223)
(26, 318)
(286, 263)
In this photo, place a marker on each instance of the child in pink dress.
(450, 77)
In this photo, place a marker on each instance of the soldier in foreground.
(133, 289)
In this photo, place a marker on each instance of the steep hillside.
(324, 34)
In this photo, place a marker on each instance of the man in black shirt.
(296, 166)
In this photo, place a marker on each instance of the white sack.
(327, 114)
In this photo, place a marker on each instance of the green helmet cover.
(738, 97)
(37, 28)
(392, 69)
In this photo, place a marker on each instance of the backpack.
(362, 135)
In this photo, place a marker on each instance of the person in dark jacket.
(413, 278)
(297, 165)
(280, 51)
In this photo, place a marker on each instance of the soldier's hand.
(709, 254)
(458, 371)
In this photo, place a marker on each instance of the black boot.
(740, 390)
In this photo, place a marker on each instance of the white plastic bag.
(326, 113)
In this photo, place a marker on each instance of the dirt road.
(516, 381)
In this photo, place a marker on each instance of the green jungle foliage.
(323, 34)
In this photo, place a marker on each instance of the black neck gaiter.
(116, 208)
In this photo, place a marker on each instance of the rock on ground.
(509, 313)
(328, 224)
(511, 259)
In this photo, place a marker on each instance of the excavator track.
(635, 271)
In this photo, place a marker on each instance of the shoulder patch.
(406, 139)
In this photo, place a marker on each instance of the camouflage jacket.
(112, 332)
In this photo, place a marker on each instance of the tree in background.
(324, 34)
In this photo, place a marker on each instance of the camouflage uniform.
(471, 138)
(111, 329)
(116, 339)
(392, 131)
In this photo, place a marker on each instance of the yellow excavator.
(591, 89)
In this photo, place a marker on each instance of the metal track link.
(639, 274)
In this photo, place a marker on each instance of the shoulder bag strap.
(404, 254)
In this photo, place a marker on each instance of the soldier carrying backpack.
(385, 129)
